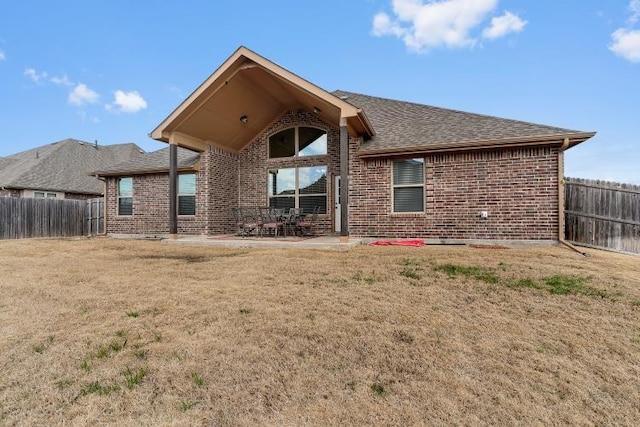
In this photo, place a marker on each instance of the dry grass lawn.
(115, 332)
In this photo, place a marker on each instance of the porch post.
(344, 181)
(173, 190)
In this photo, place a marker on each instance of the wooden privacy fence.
(602, 214)
(25, 217)
(94, 215)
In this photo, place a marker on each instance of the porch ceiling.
(249, 85)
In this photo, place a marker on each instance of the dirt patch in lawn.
(99, 331)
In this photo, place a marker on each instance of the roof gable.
(242, 97)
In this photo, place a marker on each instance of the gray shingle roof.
(64, 166)
(156, 161)
(403, 125)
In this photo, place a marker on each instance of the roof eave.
(144, 171)
(555, 139)
(244, 57)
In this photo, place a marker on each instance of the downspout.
(561, 222)
(104, 196)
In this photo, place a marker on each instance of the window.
(125, 196)
(298, 142)
(43, 194)
(299, 188)
(187, 194)
(408, 185)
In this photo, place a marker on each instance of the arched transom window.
(298, 141)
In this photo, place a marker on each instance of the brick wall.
(517, 187)
(225, 180)
(151, 207)
(219, 189)
(254, 164)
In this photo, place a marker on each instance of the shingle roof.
(63, 166)
(156, 161)
(403, 125)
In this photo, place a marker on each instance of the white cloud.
(81, 95)
(61, 81)
(503, 25)
(35, 76)
(2, 56)
(634, 8)
(442, 23)
(127, 102)
(626, 43)
(383, 26)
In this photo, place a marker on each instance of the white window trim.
(394, 186)
(195, 194)
(121, 197)
(46, 194)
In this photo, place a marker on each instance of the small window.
(43, 194)
(298, 142)
(125, 196)
(187, 194)
(408, 185)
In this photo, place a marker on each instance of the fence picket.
(603, 214)
(25, 217)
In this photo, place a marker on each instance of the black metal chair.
(291, 220)
(307, 224)
(271, 220)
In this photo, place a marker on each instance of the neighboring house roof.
(406, 127)
(154, 162)
(63, 166)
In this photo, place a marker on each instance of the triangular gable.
(242, 97)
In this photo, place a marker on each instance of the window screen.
(408, 185)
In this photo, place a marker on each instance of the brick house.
(260, 135)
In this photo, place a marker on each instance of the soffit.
(249, 85)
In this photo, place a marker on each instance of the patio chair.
(251, 221)
(291, 220)
(271, 220)
(238, 220)
(308, 223)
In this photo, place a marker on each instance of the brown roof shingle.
(64, 166)
(156, 161)
(401, 125)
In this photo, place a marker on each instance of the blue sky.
(112, 70)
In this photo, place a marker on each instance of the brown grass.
(142, 333)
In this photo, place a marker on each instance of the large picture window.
(187, 194)
(125, 196)
(298, 142)
(408, 185)
(299, 188)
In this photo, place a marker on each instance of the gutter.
(191, 168)
(560, 139)
(561, 198)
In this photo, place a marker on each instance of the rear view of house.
(255, 134)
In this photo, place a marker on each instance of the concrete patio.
(232, 241)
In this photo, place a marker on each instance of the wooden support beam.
(344, 180)
(173, 190)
